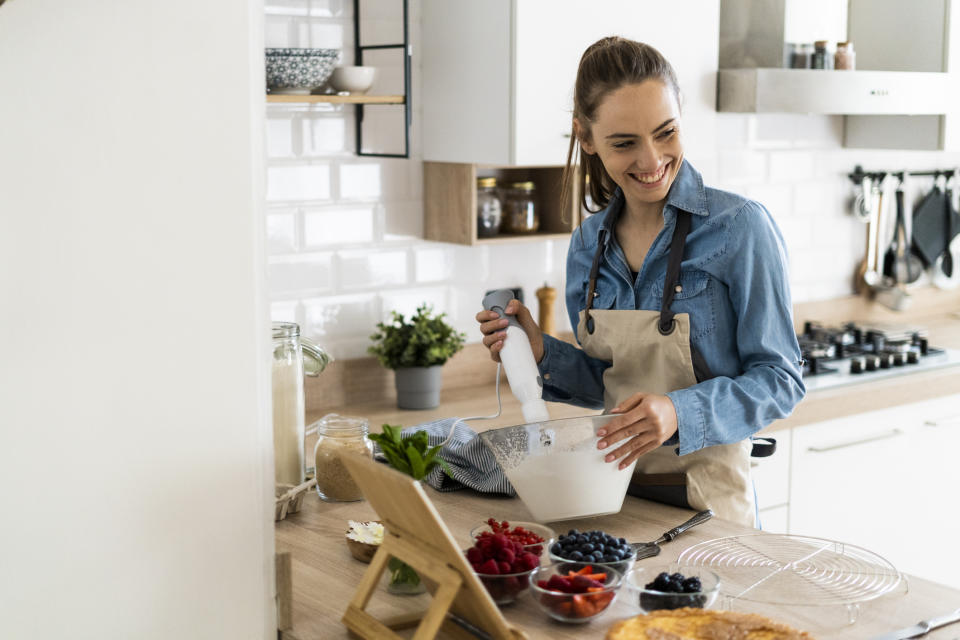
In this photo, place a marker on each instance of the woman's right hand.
(494, 329)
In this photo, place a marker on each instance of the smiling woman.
(678, 292)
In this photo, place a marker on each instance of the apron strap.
(763, 447)
(594, 271)
(672, 279)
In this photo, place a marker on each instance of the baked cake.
(703, 624)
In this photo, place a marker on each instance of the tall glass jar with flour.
(293, 357)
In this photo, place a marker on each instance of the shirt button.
(546, 376)
(678, 289)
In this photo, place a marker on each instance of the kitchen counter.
(325, 575)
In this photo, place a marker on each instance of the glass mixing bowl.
(557, 470)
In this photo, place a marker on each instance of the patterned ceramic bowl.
(299, 70)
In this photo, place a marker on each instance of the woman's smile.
(651, 180)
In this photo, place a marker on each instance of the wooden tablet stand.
(416, 535)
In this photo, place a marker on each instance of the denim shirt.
(737, 292)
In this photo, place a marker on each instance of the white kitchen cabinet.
(771, 475)
(886, 481)
(498, 75)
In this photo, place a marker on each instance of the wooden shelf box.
(450, 201)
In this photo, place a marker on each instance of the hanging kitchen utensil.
(649, 549)
(898, 264)
(946, 272)
(928, 224)
(867, 274)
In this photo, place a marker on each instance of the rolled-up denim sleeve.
(569, 375)
(724, 409)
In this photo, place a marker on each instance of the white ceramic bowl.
(353, 79)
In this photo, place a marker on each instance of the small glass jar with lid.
(845, 57)
(337, 435)
(821, 58)
(520, 211)
(489, 208)
(801, 55)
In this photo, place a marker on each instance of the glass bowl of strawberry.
(574, 592)
(534, 537)
(503, 566)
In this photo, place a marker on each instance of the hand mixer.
(517, 360)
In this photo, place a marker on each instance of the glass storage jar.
(337, 435)
(521, 213)
(821, 58)
(289, 353)
(801, 55)
(489, 208)
(845, 57)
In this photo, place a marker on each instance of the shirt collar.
(685, 193)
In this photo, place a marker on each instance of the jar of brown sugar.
(338, 435)
(845, 57)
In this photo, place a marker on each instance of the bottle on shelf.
(521, 213)
(489, 208)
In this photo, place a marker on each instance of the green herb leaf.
(416, 462)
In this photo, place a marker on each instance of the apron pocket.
(666, 488)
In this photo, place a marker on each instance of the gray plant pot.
(418, 387)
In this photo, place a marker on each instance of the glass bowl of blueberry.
(654, 587)
(594, 547)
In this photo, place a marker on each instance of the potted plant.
(416, 351)
(413, 456)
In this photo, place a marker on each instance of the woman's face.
(636, 134)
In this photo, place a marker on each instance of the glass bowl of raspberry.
(534, 537)
(502, 565)
(655, 587)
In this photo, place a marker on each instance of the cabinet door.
(884, 481)
(551, 36)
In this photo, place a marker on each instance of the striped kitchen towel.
(471, 462)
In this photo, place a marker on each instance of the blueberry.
(679, 577)
(610, 558)
(622, 541)
(572, 532)
(587, 548)
(581, 538)
(576, 555)
(692, 585)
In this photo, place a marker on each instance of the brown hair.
(607, 65)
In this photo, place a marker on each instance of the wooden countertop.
(325, 575)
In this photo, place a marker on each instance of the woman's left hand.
(649, 418)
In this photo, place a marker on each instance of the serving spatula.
(649, 549)
(921, 628)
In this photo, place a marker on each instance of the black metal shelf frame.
(358, 56)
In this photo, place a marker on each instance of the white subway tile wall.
(345, 232)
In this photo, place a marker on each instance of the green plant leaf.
(423, 341)
(416, 462)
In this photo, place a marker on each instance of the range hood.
(817, 91)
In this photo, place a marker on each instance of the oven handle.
(893, 433)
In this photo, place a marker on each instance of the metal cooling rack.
(794, 570)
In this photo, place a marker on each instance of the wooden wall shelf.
(450, 202)
(295, 98)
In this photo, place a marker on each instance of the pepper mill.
(547, 296)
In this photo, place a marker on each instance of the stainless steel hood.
(816, 91)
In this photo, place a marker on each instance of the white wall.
(345, 232)
(135, 468)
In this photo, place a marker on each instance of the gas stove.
(853, 353)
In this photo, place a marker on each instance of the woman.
(678, 293)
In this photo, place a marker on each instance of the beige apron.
(645, 358)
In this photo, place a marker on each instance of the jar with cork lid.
(845, 57)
